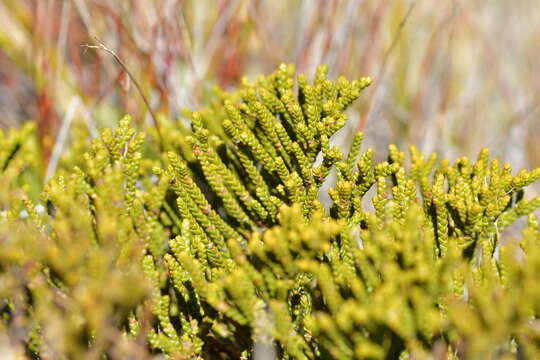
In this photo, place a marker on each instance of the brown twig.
(102, 46)
(382, 69)
(395, 40)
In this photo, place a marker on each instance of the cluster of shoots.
(218, 247)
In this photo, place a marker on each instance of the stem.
(101, 46)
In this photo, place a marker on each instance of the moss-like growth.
(220, 246)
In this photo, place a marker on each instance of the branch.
(102, 46)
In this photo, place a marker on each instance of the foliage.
(221, 247)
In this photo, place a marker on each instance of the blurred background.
(449, 76)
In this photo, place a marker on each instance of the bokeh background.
(450, 76)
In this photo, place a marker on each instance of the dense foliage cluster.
(220, 248)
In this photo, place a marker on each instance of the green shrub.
(219, 247)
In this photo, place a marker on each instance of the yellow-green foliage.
(19, 163)
(220, 246)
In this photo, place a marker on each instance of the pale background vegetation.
(450, 76)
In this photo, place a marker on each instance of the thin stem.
(101, 46)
